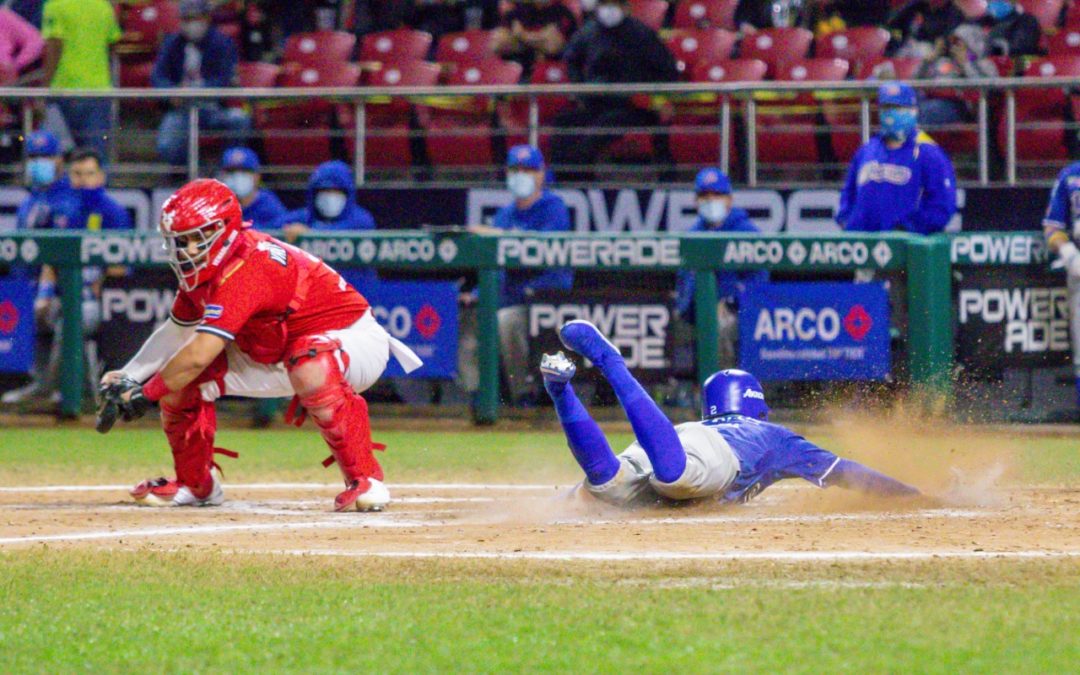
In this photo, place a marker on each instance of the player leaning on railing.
(254, 317)
(1062, 228)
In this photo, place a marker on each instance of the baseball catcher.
(732, 454)
(253, 317)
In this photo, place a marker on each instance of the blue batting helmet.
(733, 391)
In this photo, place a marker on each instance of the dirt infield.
(789, 522)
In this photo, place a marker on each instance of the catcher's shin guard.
(316, 367)
(190, 423)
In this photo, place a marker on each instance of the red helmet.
(200, 222)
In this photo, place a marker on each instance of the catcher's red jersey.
(268, 294)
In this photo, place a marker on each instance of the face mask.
(41, 172)
(899, 123)
(713, 211)
(588, 5)
(999, 9)
(520, 184)
(330, 203)
(194, 31)
(240, 182)
(609, 16)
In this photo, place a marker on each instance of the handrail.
(729, 88)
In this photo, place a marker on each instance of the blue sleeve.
(938, 202)
(294, 216)
(1057, 210)
(501, 219)
(271, 209)
(115, 217)
(855, 476)
(165, 73)
(556, 217)
(364, 219)
(849, 193)
(807, 461)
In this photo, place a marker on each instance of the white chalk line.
(676, 556)
(509, 487)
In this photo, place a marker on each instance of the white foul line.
(20, 489)
(616, 556)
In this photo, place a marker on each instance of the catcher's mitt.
(113, 406)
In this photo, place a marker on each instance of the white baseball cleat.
(557, 368)
(169, 492)
(368, 494)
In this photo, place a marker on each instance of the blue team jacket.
(910, 188)
(547, 214)
(728, 284)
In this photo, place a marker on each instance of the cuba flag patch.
(212, 312)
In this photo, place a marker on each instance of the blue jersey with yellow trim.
(912, 188)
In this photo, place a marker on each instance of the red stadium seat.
(395, 46)
(777, 46)
(516, 116)
(903, 67)
(856, 45)
(299, 133)
(695, 122)
(135, 74)
(1043, 109)
(460, 134)
(318, 48)
(1048, 12)
(1072, 16)
(257, 74)
(705, 14)
(649, 12)
(697, 44)
(787, 129)
(1066, 41)
(465, 47)
(147, 24)
(387, 139)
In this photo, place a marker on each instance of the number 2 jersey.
(267, 294)
(767, 453)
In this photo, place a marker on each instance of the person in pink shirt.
(20, 45)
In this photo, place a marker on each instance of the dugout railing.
(924, 261)
(995, 110)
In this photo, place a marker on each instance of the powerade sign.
(815, 331)
(599, 252)
(640, 326)
(16, 325)
(423, 315)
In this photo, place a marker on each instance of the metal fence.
(733, 101)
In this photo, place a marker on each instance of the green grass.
(68, 611)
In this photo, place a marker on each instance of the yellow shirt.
(87, 28)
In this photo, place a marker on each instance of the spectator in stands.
(79, 38)
(918, 25)
(439, 17)
(53, 203)
(901, 179)
(716, 214)
(21, 45)
(78, 204)
(1012, 31)
(98, 210)
(829, 16)
(534, 208)
(953, 58)
(331, 204)
(534, 29)
(611, 49)
(754, 15)
(240, 171)
(198, 56)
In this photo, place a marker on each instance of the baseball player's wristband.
(155, 388)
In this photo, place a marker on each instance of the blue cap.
(897, 94)
(712, 180)
(239, 159)
(42, 144)
(525, 157)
